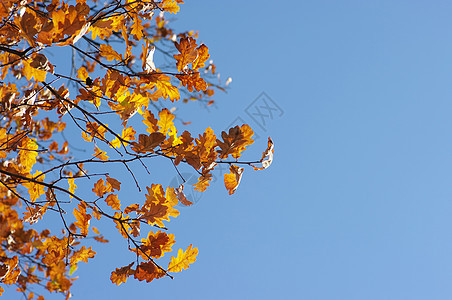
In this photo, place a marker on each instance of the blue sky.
(357, 203)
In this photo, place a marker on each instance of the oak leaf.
(166, 121)
(203, 56)
(203, 182)
(188, 52)
(120, 274)
(82, 217)
(100, 188)
(35, 189)
(166, 89)
(108, 52)
(183, 259)
(192, 81)
(147, 143)
(113, 183)
(170, 6)
(137, 28)
(148, 271)
(82, 255)
(181, 196)
(235, 141)
(232, 179)
(72, 185)
(102, 155)
(113, 202)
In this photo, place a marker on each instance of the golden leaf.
(183, 259)
(108, 52)
(100, 188)
(113, 202)
(120, 274)
(166, 121)
(100, 154)
(203, 56)
(82, 255)
(82, 217)
(170, 6)
(137, 28)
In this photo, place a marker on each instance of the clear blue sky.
(358, 201)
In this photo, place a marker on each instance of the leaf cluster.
(113, 77)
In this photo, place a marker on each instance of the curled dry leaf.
(148, 59)
(181, 196)
(266, 162)
(232, 180)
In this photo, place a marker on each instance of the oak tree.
(112, 81)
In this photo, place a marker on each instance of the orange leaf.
(187, 48)
(156, 244)
(203, 56)
(113, 202)
(166, 121)
(100, 188)
(150, 121)
(232, 180)
(82, 255)
(72, 185)
(120, 274)
(203, 182)
(192, 81)
(166, 89)
(35, 189)
(28, 154)
(148, 271)
(82, 218)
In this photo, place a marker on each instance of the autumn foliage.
(112, 81)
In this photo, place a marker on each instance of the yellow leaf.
(100, 154)
(166, 121)
(183, 259)
(137, 28)
(72, 185)
(28, 154)
(108, 52)
(170, 6)
(35, 189)
(167, 90)
(82, 74)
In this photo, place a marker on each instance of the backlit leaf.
(83, 219)
(183, 259)
(232, 179)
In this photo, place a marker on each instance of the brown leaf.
(147, 143)
(181, 196)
